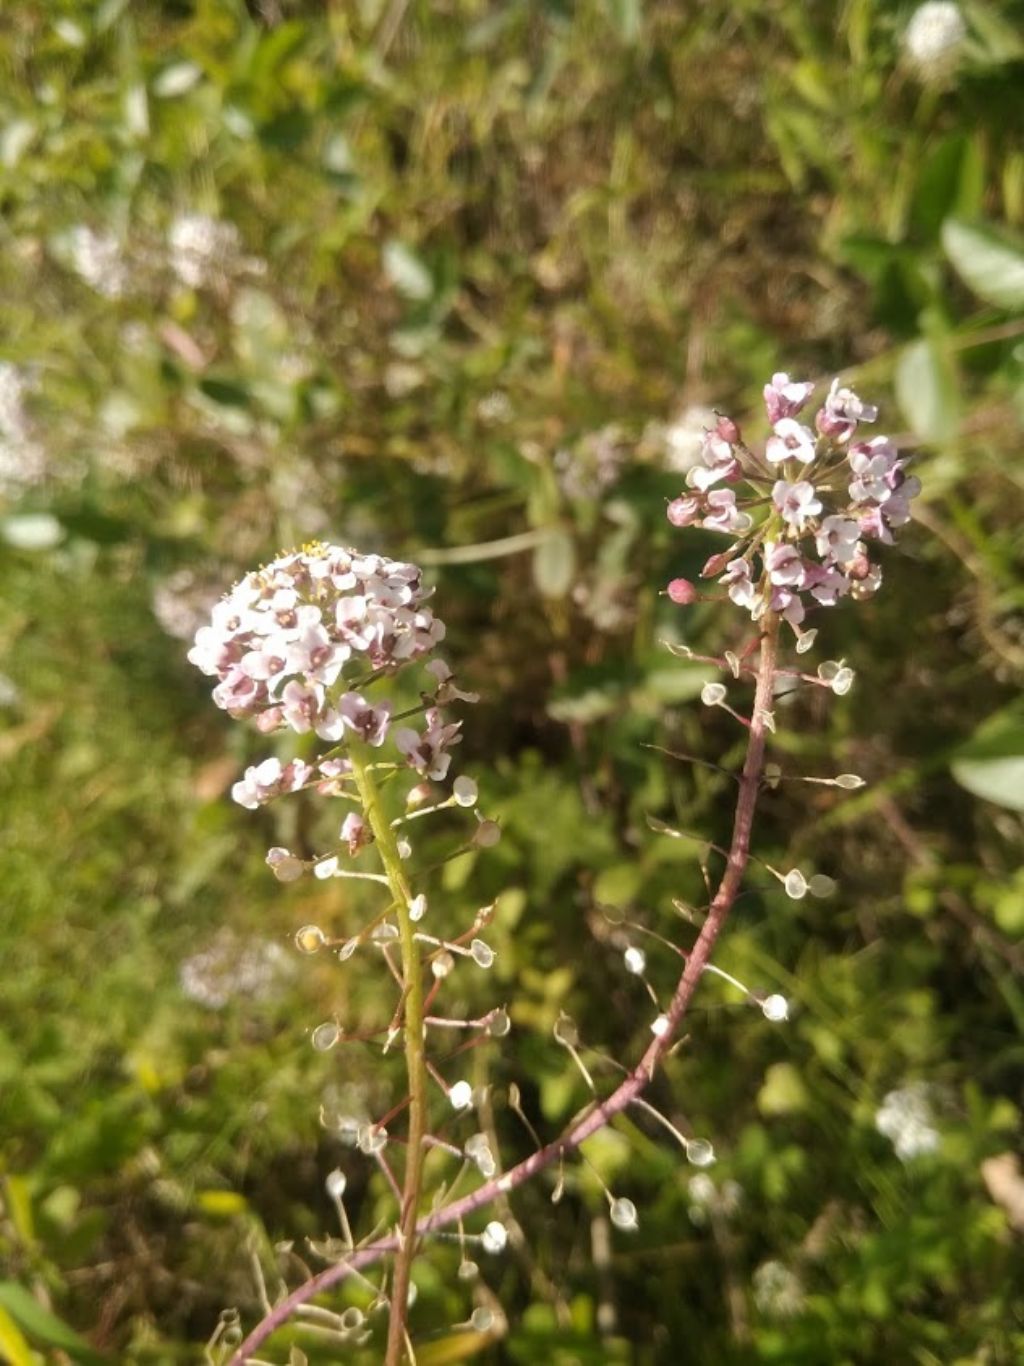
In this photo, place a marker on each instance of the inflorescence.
(805, 513)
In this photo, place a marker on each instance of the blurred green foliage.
(487, 253)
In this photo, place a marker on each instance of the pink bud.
(717, 563)
(269, 720)
(727, 429)
(682, 591)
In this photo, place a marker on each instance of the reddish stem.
(628, 1090)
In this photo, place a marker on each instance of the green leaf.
(926, 391)
(13, 1346)
(951, 182)
(991, 764)
(990, 262)
(41, 1325)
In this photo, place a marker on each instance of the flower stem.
(415, 1060)
(604, 1111)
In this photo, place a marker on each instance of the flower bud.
(727, 429)
(717, 563)
(682, 592)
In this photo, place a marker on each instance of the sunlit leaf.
(991, 263)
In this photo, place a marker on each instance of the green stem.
(415, 1060)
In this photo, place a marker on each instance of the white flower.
(837, 539)
(797, 502)
(784, 398)
(790, 441)
(934, 38)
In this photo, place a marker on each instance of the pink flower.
(791, 441)
(719, 463)
(428, 753)
(355, 833)
(784, 397)
(300, 705)
(873, 463)
(841, 412)
(370, 723)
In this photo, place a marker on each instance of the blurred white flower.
(230, 968)
(777, 1290)
(934, 39)
(22, 459)
(98, 259)
(905, 1117)
(684, 438)
(182, 602)
(203, 250)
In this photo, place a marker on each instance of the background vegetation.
(492, 259)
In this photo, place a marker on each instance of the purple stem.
(637, 1080)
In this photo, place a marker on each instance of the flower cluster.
(281, 640)
(280, 644)
(813, 504)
